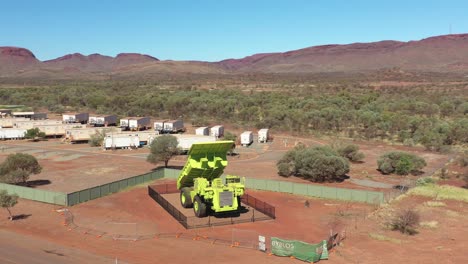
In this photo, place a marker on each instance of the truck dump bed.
(205, 160)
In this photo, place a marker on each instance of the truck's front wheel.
(185, 199)
(199, 207)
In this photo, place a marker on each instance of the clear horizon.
(215, 30)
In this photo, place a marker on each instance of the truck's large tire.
(199, 207)
(185, 199)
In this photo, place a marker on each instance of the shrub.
(317, 164)
(401, 163)
(406, 222)
(463, 159)
(425, 181)
(97, 139)
(351, 152)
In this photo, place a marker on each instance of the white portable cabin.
(186, 141)
(159, 125)
(263, 135)
(28, 124)
(28, 114)
(147, 137)
(217, 131)
(138, 123)
(121, 141)
(103, 120)
(173, 126)
(12, 133)
(57, 129)
(75, 118)
(246, 138)
(202, 131)
(10, 122)
(85, 133)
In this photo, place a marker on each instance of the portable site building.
(30, 115)
(28, 124)
(12, 133)
(202, 131)
(246, 138)
(263, 135)
(10, 122)
(217, 131)
(186, 141)
(58, 130)
(84, 134)
(121, 141)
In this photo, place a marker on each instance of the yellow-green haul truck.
(200, 184)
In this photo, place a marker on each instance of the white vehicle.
(246, 138)
(75, 118)
(104, 120)
(263, 135)
(173, 126)
(138, 123)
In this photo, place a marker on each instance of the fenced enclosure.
(167, 195)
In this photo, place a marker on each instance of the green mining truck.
(200, 184)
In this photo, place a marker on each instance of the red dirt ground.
(444, 244)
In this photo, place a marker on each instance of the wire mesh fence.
(252, 210)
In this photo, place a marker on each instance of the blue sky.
(216, 30)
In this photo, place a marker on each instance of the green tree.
(34, 133)
(401, 163)
(18, 167)
(7, 201)
(163, 148)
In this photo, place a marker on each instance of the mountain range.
(446, 53)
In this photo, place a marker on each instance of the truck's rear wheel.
(199, 207)
(185, 199)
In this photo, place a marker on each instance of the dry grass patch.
(434, 204)
(429, 224)
(441, 192)
(381, 237)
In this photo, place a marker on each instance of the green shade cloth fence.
(74, 198)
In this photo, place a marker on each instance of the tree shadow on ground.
(21, 216)
(399, 187)
(177, 167)
(34, 183)
(342, 179)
